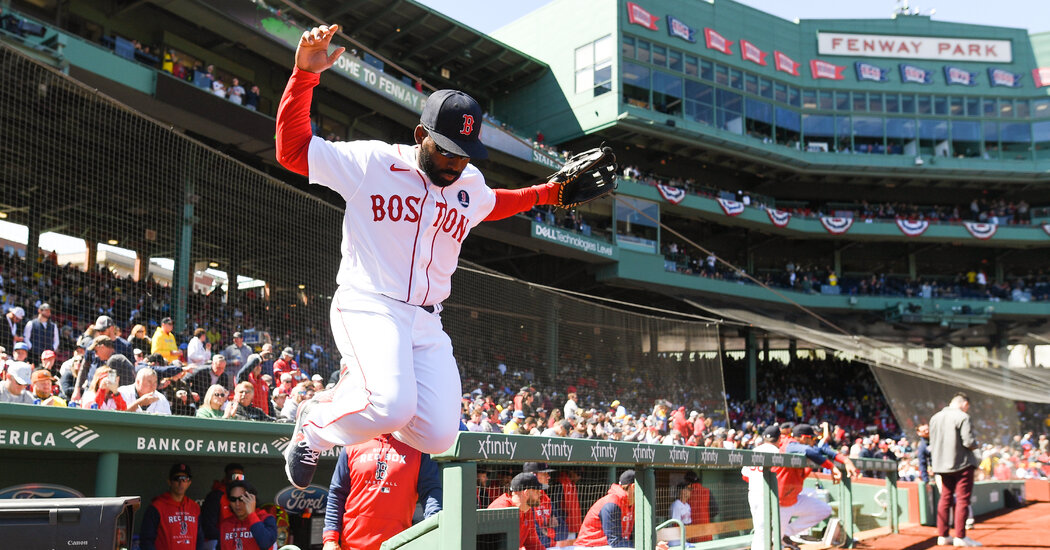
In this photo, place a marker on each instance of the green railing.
(86, 449)
(460, 522)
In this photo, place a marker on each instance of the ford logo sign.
(40, 490)
(296, 501)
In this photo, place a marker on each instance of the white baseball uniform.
(401, 243)
(755, 487)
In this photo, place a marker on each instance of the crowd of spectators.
(213, 373)
(206, 77)
(815, 279)
(996, 211)
(115, 346)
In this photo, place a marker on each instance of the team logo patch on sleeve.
(463, 197)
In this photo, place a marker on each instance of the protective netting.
(1003, 400)
(165, 222)
(511, 334)
(914, 400)
(717, 497)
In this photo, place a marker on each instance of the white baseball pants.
(398, 376)
(755, 488)
(808, 511)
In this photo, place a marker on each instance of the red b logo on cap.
(468, 125)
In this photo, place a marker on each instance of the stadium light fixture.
(113, 242)
(213, 264)
(3, 215)
(302, 287)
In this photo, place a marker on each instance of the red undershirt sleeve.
(293, 122)
(840, 458)
(514, 201)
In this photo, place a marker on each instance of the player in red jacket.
(805, 510)
(524, 494)
(545, 520)
(247, 528)
(610, 520)
(566, 504)
(172, 520)
(374, 491)
(703, 507)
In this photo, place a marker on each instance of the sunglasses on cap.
(445, 152)
(181, 479)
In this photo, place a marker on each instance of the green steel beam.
(106, 474)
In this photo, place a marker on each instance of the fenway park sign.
(914, 47)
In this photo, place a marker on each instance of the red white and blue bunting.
(982, 231)
(836, 226)
(779, 217)
(731, 208)
(670, 193)
(913, 228)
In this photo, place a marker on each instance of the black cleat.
(790, 544)
(300, 461)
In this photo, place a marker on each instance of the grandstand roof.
(425, 42)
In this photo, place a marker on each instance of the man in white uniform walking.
(408, 209)
(756, 486)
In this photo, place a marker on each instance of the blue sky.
(1033, 15)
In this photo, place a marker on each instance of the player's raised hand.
(312, 53)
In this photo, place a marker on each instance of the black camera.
(80, 523)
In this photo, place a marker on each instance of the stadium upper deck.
(919, 102)
(718, 137)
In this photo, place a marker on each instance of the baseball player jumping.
(408, 209)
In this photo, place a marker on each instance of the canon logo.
(76, 543)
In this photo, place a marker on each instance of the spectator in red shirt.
(680, 422)
(252, 372)
(524, 494)
(287, 364)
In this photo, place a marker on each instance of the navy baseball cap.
(627, 477)
(179, 469)
(536, 467)
(453, 120)
(523, 481)
(771, 433)
(803, 429)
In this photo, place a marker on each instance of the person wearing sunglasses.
(408, 209)
(172, 520)
(247, 528)
(214, 403)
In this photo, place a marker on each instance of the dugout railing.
(108, 453)
(462, 525)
